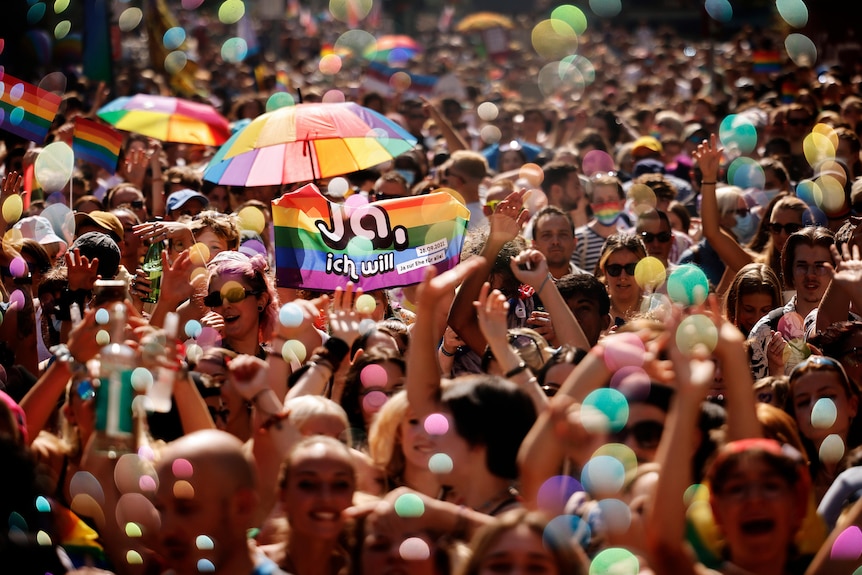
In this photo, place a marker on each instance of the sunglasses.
(649, 237)
(616, 270)
(788, 229)
(216, 298)
(647, 434)
(742, 212)
(137, 204)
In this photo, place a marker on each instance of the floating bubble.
(400, 81)
(279, 100)
(817, 147)
(616, 516)
(738, 134)
(409, 505)
(561, 78)
(563, 529)
(696, 332)
(831, 198)
(15, 92)
(829, 132)
(745, 172)
(234, 50)
(414, 549)
(622, 453)
(290, 315)
(147, 484)
(62, 29)
(615, 560)
(192, 4)
(173, 38)
(606, 8)
(251, 218)
(687, 285)
(631, 381)
(54, 165)
(142, 379)
(832, 449)
(556, 491)
(554, 39)
(16, 116)
(175, 62)
(134, 558)
(231, 11)
(794, 12)
(330, 64)
(85, 505)
(365, 303)
(791, 325)
(612, 404)
(18, 267)
(205, 566)
(586, 68)
(43, 538)
(204, 543)
(35, 13)
(350, 11)
(182, 468)
(337, 187)
(373, 401)
(293, 350)
(440, 463)
(436, 424)
(572, 16)
(848, 545)
(487, 111)
(193, 352)
(356, 201)
(103, 338)
(133, 530)
(334, 96)
(624, 349)
(13, 207)
(643, 198)
(490, 134)
(801, 49)
(603, 474)
(192, 328)
(183, 490)
(130, 18)
(373, 375)
(650, 273)
(60, 6)
(356, 43)
(367, 325)
(596, 161)
(824, 413)
(720, 11)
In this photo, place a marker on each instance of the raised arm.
(845, 289)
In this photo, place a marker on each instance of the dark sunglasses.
(649, 237)
(647, 434)
(616, 270)
(215, 298)
(742, 212)
(790, 228)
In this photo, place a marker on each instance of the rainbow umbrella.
(167, 118)
(306, 142)
(393, 48)
(479, 21)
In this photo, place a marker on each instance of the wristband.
(521, 367)
(446, 353)
(542, 286)
(708, 183)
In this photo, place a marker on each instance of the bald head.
(211, 451)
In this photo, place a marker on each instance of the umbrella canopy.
(307, 142)
(167, 118)
(393, 48)
(479, 21)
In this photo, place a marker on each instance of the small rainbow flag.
(26, 110)
(97, 143)
(766, 61)
(320, 245)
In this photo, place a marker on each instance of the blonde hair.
(384, 435)
(305, 408)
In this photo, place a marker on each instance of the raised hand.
(344, 319)
(847, 272)
(82, 273)
(708, 157)
(492, 311)
(530, 267)
(509, 217)
(436, 287)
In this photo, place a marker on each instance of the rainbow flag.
(377, 75)
(97, 143)
(26, 110)
(766, 61)
(320, 245)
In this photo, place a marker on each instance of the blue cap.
(177, 199)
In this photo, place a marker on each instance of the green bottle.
(153, 267)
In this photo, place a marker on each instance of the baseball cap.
(40, 229)
(104, 220)
(647, 143)
(177, 199)
(102, 246)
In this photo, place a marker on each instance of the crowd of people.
(648, 360)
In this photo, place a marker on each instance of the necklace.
(500, 500)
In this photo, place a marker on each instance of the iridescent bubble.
(824, 413)
(16, 116)
(294, 350)
(831, 195)
(616, 516)
(231, 11)
(719, 10)
(615, 560)
(356, 43)
(183, 490)
(134, 558)
(142, 379)
(43, 538)
(333, 96)
(373, 401)
(279, 100)
(234, 50)
(440, 463)
(631, 381)
(54, 165)
(175, 62)
(596, 161)
(290, 315)
(624, 349)
(174, 37)
(400, 81)
(847, 545)
(794, 12)
(745, 172)
(487, 111)
(414, 549)
(622, 453)
(817, 147)
(330, 64)
(490, 133)
(199, 254)
(194, 352)
(350, 11)
(60, 6)
(436, 424)
(606, 8)
(687, 285)
(738, 134)
(356, 201)
(133, 530)
(86, 506)
(792, 325)
(182, 468)
(35, 13)
(18, 267)
(192, 4)
(42, 504)
(147, 484)
(650, 273)
(603, 475)
(555, 493)
(193, 328)
(337, 187)
(365, 303)
(373, 375)
(13, 207)
(832, 449)
(103, 338)
(204, 543)
(130, 18)
(409, 505)
(251, 218)
(559, 78)
(572, 16)
(205, 566)
(612, 404)
(696, 333)
(585, 68)
(801, 49)
(62, 29)
(367, 325)
(563, 529)
(554, 39)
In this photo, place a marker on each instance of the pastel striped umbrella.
(168, 119)
(307, 142)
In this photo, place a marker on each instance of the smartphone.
(108, 291)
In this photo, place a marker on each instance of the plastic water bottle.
(153, 267)
(114, 432)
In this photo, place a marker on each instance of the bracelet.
(544, 281)
(446, 353)
(317, 361)
(274, 420)
(521, 367)
(702, 183)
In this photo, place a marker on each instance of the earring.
(260, 308)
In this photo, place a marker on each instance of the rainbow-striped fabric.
(97, 143)
(320, 245)
(26, 110)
